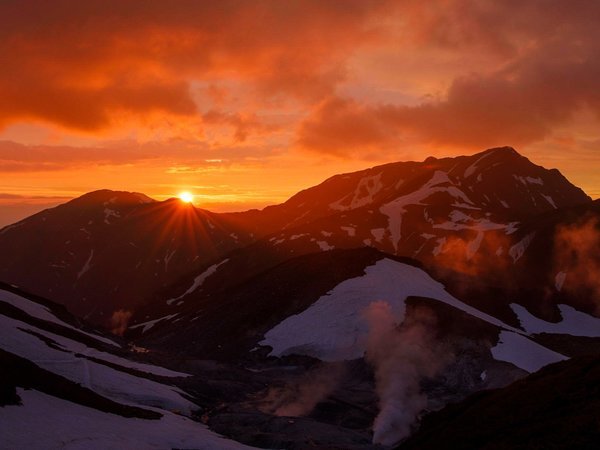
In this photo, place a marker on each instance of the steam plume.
(481, 254)
(576, 254)
(299, 399)
(119, 321)
(401, 357)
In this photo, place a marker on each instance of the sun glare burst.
(186, 197)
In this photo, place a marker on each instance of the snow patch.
(167, 258)
(473, 167)
(198, 281)
(38, 311)
(523, 353)
(529, 180)
(559, 280)
(378, 233)
(474, 245)
(465, 206)
(108, 213)
(438, 248)
(149, 324)
(324, 246)
(536, 180)
(512, 227)
(396, 208)
(574, 323)
(550, 200)
(87, 265)
(351, 231)
(518, 250)
(365, 191)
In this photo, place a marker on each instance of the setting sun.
(186, 197)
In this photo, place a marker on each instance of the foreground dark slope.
(555, 408)
(65, 383)
(57, 370)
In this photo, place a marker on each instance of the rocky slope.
(553, 408)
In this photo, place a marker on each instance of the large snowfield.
(334, 328)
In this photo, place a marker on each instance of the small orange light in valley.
(186, 197)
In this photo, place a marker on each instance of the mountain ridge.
(138, 246)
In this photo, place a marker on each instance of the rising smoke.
(577, 254)
(119, 321)
(401, 357)
(300, 398)
(482, 253)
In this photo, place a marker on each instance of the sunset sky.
(243, 103)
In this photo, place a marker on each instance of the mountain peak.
(506, 150)
(121, 198)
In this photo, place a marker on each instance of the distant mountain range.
(486, 264)
(109, 251)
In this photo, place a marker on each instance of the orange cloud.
(76, 63)
(344, 127)
(253, 81)
(15, 157)
(86, 65)
(521, 105)
(243, 124)
(542, 68)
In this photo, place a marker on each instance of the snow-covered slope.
(315, 305)
(71, 391)
(44, 422)
(335, 327)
